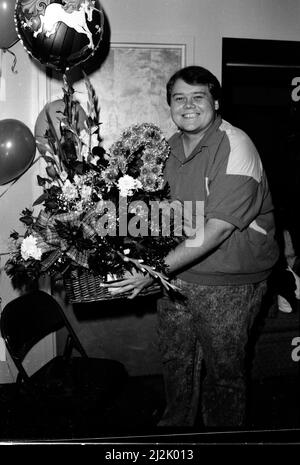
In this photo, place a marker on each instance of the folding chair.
(66, 382)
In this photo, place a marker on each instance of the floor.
(274, 411)
(133, 413)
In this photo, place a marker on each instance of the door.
(261, 95)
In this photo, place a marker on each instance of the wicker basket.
(84, 286)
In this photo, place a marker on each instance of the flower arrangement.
(96, 204)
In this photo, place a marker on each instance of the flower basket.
(82, 286)
(103, 212)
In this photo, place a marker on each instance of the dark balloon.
(8, 33)
(17, 149)
(59, 34)
(55, 109)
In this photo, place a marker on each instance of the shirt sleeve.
(235, 189)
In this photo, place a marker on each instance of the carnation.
(29, 248)
(86, 192)
(69, 190)
(127, 184)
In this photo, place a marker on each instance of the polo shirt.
(225, 172)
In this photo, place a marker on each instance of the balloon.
(17, 149)
(8, 33)
(59, 33)
(55, 108)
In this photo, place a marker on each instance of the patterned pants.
(212, 326)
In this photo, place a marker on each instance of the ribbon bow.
(49, 240)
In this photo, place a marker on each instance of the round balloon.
(8, 33)
(59, 33)
(17, 149)
(55, 109)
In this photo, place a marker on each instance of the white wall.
(206, 21)
(19, 101)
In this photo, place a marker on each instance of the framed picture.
(131, 84)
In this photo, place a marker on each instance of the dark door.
(261, 95)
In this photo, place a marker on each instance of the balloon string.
(9, 187)
(3, 193)
(14, 61)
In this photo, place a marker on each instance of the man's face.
(193, 108)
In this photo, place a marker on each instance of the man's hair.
(194, 75)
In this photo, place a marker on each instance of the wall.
(206, 22)
(19, 101)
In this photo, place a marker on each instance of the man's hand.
(215, 232)
(133, 281)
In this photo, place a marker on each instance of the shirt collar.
(208, 139)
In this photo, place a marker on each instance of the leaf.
(69, 128)
(69, 149)
(79, 167)
(49, 159)
(90, 121)
(54, 190)
(27, 212)
(51, 204)
(43, 147)
(42, 181)
(14, 235)
(41, 199)
(53, 132)
(92, 104)
(51, 171)
(28, 220)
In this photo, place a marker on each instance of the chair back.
(28, 319)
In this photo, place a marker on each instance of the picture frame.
(131, 82)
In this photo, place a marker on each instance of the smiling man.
(193, 110)
(223, 276)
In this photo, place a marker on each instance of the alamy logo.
(181, 219)
(296, 89)
(296, 351)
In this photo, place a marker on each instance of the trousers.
(203, 344)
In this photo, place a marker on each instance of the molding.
(140, 40)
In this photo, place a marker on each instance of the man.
(223, 275)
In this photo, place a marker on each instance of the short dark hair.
(195, 75)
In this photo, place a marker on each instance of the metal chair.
(66, 383)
